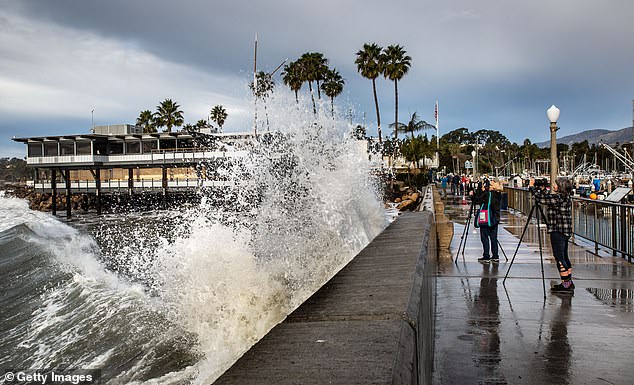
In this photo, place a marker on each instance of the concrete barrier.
(372, 323)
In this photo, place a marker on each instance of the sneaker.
(560, 288)
(484, 259)
(495, 259)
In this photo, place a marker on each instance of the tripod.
(536, 208)
(465, 234)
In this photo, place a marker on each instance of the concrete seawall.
(372, 323)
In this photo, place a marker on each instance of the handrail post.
(596, 230)
(615, 242)
(624, 228)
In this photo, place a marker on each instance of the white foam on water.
(224, 285)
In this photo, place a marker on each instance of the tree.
(292, 77)
(312, 66)
(265, 85)
(219, 115)
(396, 65)
(359, 133)
(201, 124)
(332, 87)
(414, 124)
(320, 64)
(146, 120)
(459, 135)
(263, 89)
(370, 65)
(168, 115)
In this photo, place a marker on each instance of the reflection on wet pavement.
(623, 298)
(490, 333)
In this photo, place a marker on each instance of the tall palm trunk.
(395, 109)
(378, 116)
(296, 97)
(312, 96)
(332, 107)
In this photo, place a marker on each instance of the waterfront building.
(122, 159)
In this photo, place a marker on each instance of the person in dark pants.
(455, 183)
(558, 205)
(487, 201)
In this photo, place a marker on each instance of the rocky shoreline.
(44, 201)
(406, 198)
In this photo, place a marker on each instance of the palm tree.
(201, 123)
(414, 124)
(313, 65)
(370, 65)
(321, 69)
(146, 121)
(219, 115)
(292, 77)
(396, 65)
(332, 87)
(262, 88)
(168, 114)
(265, 85)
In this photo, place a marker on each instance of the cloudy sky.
(493, 64)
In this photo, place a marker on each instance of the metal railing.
(78, 186)
(606, 224)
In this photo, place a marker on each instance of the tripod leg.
(528, 221)
(465, 234)
(539, 238)
(471, 213)
(500, 246)
(464, 230)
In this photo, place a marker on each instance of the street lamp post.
(553, 116)
(475, 164)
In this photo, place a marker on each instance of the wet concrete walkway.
(490, 333)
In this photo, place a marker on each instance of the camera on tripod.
(541, 183)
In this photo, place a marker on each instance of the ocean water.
(174, 297)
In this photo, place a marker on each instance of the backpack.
(483, 217)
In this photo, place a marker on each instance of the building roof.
(159, 135)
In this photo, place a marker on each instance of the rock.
(397, 200)
(407, 204)
(415, 196)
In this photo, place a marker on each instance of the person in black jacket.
(487, 203)
(558, 205)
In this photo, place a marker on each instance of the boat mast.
(255, 87)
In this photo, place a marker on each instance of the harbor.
(198, 193)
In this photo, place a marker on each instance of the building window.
(35, 149)
(83, 148)
(50, 149)
(149, 146)
(168, 144)
(133, 148)
(67, 148)
(115, 148)
(185, 143)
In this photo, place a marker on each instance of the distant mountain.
(621, 136)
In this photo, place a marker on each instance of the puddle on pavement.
(619, 298)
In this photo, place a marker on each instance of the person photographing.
(487, 198)
(558, 203)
